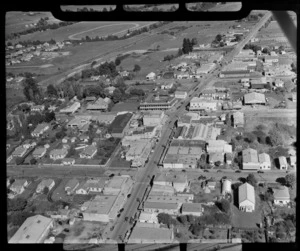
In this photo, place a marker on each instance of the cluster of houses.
(19, 53)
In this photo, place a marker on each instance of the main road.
(150, 169)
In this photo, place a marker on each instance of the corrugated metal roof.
(246, 192)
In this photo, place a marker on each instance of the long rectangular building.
(159, 102)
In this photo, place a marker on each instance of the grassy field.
(15, 21)
(13, 97)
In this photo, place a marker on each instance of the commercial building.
(250, 159)
(153, 118)
(99, 105)
(151, 235)
(40, 129)
(103, 118)
(169, 199)
(119, 125)
(198, 104)
(91, 185)
(71, 109)
(281, 196)
(49, 183)
(162, 190)
(195, 209)
(238, 119)
(116, 185)
(180, 94)
(254, 98)
(246, 198)
(205, 68)
(34, 230)
(178, 181)
(218, 146)
(99, 208)
(148, 217)
(158, 102)
(162, 207)
(235, 74)
(88, 152)
(264, 161)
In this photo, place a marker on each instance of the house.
(90, 99)
(195, 209)
(271, 59)
(84, 138)
(71, 186)
(19, 186)
(278, 82)
(19, 152)
(99, 105)
(180, 94)
(29, 144)
(91, 185)
(79, 121)
(264, 161)
(40, 129)
(37, 108)
(293, 161)
(226, 187)
(65, 139)
(216, 157)
(228, 158)
(167, 86)
(294, 96)
(39, 152)
(246, 198)
(211, 185)
(110, 89)
(45, 183)
(151, 76)
(250, 159)
(282, 163)
(71, 108)
(58, 153)
(281, 196)
(35, 229)
(68, 161)
(254, 98)
(88, 152)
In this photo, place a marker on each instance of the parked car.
(121, 210)
(128, 195)
(219, 171)
(112, 228)
(259, 171)
(206, 171)
(238, 171)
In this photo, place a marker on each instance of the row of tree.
(32, 42)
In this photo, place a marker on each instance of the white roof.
(254, 97)
(264, 157)
(246, 192)
(32, 230)
(281, 194)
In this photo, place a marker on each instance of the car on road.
(259, 171)
(219, 171)
(112, 228)
(237, 171)
(118, 215)
(121, 210)
(111, 175)
(128, 195)
(206, 171)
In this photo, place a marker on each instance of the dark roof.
(120, 122)
(235, 72)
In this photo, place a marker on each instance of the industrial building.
(116, 185)
(254, 98)
(218, 146)
(178, 181)
(119, 125)
(162, 207)
(198, 104)
(153, 118)
(34, 230)
(199, 132)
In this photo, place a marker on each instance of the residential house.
(250, 159)
(264, 161)
(216, 157)
(40, 129)
(211, 185)
(49, 183)
(37, 108)
(228, 158)
(68, 161)
(167, 86)
(19, 151)
(195, 209)
(226, 187)
(71, 186)
(281, 196)
(58, 153)
(84, 138)
(151, 76)
(294, 96)
(246, 198)
(282, 163)
(29, 144)
(178, 181)
(100, 104)
(71, 108)
(293, 161)
(35, 229)
(39, 152)
(19, 186)
(88, 152)
(254, 98)
(91, 185)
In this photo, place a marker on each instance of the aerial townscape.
(150, 132)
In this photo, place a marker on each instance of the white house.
(40, 129)
(19, 186)
(68, 161)
(281, 196)
(19, 151)
(45, 183)
(88, 152)
(58, 153)
(282, 163)
(39, 152)
(246, 198)
(151, 76)
(264, 161)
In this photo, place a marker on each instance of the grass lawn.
(13, 97)
(118, 162)
(59, 193)
(125, 106)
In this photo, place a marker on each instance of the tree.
(117, 61)
(266, 50)
(179, 52)
(294, 67)
(182, 219)
(93, 64)
(19, 160)
(49, 116)
(195, 229)
(223, 205)
(136, 68)
(275, 137)
(117, 95)
(46, 190)
(290, 180)
(51, 90)
(16, 204)
(30, 89)
(33, 161)
(164, 218)
(18, 218)
(251, 179)
(218, 38)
